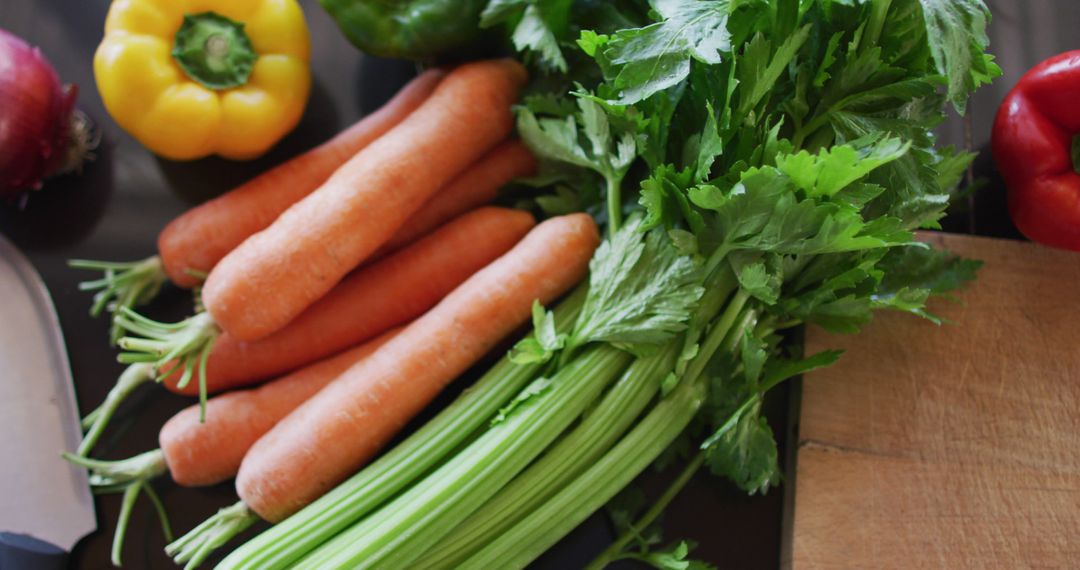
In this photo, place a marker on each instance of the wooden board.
(955, 446)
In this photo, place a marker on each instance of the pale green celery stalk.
(598, 431)
(746, 321)
(398, 534)
(546, 525)
(288, 541)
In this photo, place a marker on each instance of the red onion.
(41, 133)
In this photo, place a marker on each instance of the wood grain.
(955, 446)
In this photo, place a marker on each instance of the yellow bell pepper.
(191, 78)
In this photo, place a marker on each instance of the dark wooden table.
(115, 209)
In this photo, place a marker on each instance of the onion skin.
(35, 117)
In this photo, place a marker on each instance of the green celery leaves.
(532, 23)
(640, 62)
(544, 341)
(956, 32)
(774, 158)
(641, 292)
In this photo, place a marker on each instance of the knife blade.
(43, 499)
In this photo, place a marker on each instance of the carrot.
(335, 432)
(388, 293)
(193, 243)
(275, 274)
(200, 237)
(201, 454)
(478, 185)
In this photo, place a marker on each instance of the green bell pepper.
(408, 29)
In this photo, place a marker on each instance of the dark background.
(115, 208)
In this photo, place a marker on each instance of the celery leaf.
(641, 291)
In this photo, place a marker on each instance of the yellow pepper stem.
(214, 50)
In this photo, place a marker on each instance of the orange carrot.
(208, 453)
(335, 432)
(478, 185)
(199, 238)
(388, 293)
(275, 274)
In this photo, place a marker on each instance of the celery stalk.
(398, 533)
(544, 526)
(549, 522)
(598, 431)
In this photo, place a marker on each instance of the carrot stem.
(110, 476)
(126, 506)
(127, 476)
(159, 508)
(188, 342)
(201, 541)
(152, 348)
(133, 376)
(90, 419)
(136, 357)
(124, 285)
(203, 357)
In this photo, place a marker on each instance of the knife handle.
(23, 552)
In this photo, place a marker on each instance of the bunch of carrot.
(365, 275)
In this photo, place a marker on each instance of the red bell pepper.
(1034, 142)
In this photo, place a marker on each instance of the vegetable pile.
(754, 165)
(783, 154)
